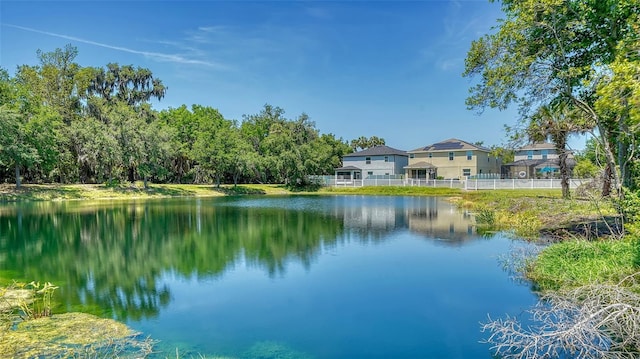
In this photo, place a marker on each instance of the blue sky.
(357, 68)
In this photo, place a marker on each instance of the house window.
(466, 172)
(529, 155)
(411, 155)
(450, 156)
(386, 174)
(430, 155)
(386, 158)
(370, 173)
(367, 160)
(469, 155)
(545, 154)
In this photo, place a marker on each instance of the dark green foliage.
(62, 122)
(583, 53)
(629, 207)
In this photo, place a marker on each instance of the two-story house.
(452, 159)
(374, 161)
(538, 160)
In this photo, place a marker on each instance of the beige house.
(452, 159)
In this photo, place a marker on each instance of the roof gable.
(378, 151)
(452, 144)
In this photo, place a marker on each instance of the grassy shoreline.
(63, 192)
(582, 249)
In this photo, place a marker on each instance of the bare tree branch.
(594, 321)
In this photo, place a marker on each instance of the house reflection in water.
(441, 220)
(431, 217)
(372, 217)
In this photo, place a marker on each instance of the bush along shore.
(587, 273)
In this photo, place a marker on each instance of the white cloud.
(175, 58)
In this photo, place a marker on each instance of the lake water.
(272, 277)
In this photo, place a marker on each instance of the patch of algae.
(273, 350)
(72, 335)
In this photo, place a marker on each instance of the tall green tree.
(16, 147)
(48, 94)
(255, 129)
(125, 83)
(182, 126)
(30, 131)
(557, 122)
(327, 154)
(156, 153)
(239, 152)
(212, 148)
(98, 153)
(45, 129)
(549, 50)
(618, 96)
(52, 83)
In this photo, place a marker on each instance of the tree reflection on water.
(108, 257)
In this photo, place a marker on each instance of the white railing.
(551, 183)
(332, 182)
(467, 184)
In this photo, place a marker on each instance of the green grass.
(577, 263)
(528, 212)
(30, 192)
(572, 262)
(49, 192)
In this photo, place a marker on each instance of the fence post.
(513, 186)
(494, 183)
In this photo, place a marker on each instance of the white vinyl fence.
(467, 184)
(473, 184)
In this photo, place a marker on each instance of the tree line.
(61, 122)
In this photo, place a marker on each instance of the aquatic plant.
(29, 329)
(39, 303)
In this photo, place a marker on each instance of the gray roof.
(452, 144)
(348, 168)
(378, 151)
